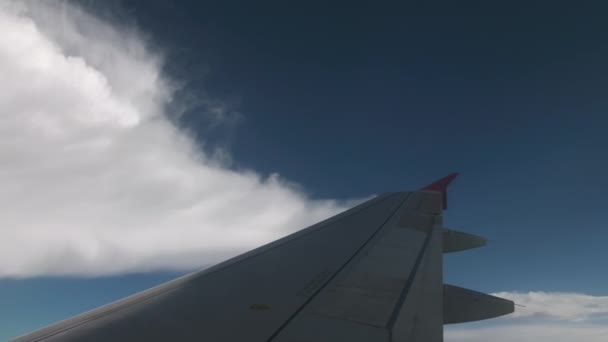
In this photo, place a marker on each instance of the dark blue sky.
(349, 100)
(407, 92)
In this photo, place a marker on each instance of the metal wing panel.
(390, 291)
(420, 313)
(250, 297)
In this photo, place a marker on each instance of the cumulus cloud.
(95, 178)
(543, 316)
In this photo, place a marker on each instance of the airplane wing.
(372, 273)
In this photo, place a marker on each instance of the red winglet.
(442, 186)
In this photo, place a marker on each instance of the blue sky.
(342, 103)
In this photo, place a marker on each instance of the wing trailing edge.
(462, 305)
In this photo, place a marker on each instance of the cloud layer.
(531, 332)
(95, 178)
(562, 306)
(545, 316)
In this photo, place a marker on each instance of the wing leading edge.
(372, 273)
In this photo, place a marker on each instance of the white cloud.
(95, 178)
(546, 316)
(564, 306)
(530, 332)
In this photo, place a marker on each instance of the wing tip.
(441, 185)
